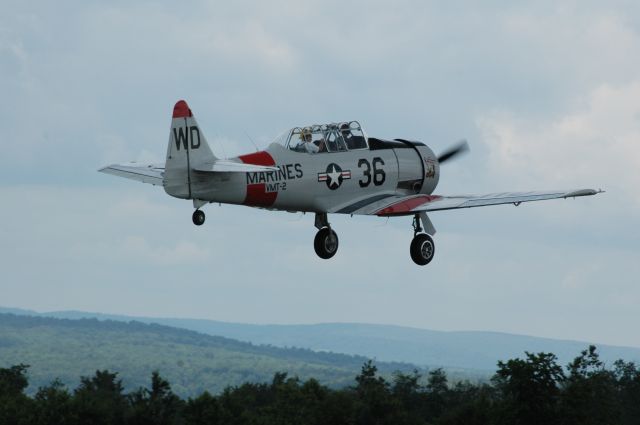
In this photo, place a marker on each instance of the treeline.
(530, 390)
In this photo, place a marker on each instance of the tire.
(422, 249)
(326, 243)
(198, 217)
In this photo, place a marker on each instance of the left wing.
(407, 205)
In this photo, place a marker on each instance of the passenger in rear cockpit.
(346, 135)
(321, 144)
(352, 141)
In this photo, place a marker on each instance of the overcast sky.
(547, 93)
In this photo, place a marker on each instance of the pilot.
(346, 135)
(306, 144)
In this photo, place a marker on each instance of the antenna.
(220, 142)
(251, 140)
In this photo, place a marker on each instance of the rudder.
(188, 149)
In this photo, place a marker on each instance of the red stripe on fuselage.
(258, 158)
(257, 195)
(404, 207)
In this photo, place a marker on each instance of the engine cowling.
(418, 168)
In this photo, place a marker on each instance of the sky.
(547, 93)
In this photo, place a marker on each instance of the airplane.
(323, 169)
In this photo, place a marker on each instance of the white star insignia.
(334, 175)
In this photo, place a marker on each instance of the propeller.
(459, 148)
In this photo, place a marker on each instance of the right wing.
(407, 205)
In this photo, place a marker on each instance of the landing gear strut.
(326, 240)
(198, 217)
(422, 247)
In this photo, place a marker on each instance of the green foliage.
(589, 395)
(54, 405)
(530, 390)
(229, 382)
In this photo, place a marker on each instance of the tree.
(13, 380)
(589, 395)
(158, 406)
(627, 376)
(15, 406)
(437, 392)
(374, 402)
(203, 410)
(53, 405)
(529, 389)
(99, 399)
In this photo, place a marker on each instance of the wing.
(143, 173)
(407, 205)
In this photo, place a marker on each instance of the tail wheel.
(422, 249)
(326, 243)
(198, 217)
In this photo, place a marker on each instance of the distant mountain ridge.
(193, 362)
(466, 350)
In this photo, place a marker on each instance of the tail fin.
(188, 149)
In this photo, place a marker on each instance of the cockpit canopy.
(334, 137)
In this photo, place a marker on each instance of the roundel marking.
(334, 176)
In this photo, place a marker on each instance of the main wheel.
(422, 249)
(198, 217)
(326, 243)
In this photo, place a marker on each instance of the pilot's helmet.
(344, 129)
(305, 135)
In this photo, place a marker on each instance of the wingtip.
(181, 110)
(583, 192)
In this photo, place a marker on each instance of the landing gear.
(198, 217)
(422, 247)
(326, 243)
(326, 240)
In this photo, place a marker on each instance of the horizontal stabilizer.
(226, 166)
(149, 173)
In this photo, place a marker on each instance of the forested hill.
(472, 350)
(193, 362)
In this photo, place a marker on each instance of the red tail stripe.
(181, 110)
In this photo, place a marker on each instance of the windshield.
(283, 138)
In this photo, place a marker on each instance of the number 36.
(378, 173)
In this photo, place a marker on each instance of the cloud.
(183, 252)
(596, 145)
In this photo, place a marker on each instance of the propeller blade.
(455, 150)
